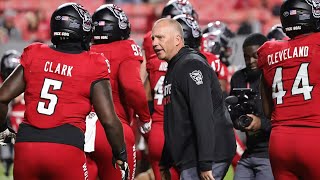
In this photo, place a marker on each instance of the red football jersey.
(213, 60)
(147, 46)
(58, 85)
(157, 70)
(126, 102)
(224, 72)
(291, 69)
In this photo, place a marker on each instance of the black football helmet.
(70, 22)
(177, 7)
(111, 24)
(299, 17)
(276, 33)
(191, 30)
(9, 61)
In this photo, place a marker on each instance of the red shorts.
(294, 153)
(102, 154)
(41, 160)
(155, 145)
(92, 167)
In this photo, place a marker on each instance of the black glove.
(124, 167)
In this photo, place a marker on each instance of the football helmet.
(211, 43)
(9, 61)
(299, 17)
(177, 7)
(276, 33)
(191, 30)
(70, 22)
(220, 29)
(111, 24)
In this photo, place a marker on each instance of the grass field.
(229, 175)
(2, 176)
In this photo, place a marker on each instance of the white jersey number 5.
(49, 110)
(300, 86)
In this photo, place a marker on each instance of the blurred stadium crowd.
(24, 22)
(29, 20)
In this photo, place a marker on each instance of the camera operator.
(254, 163)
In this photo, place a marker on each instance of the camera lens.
(244, 121)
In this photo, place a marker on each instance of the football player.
(221, 29)
(111, 37)
(60, 89)
(216, 39)
(290, 92)
(211, 44)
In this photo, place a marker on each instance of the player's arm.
(11, 88)
(143, 70)
(147, 88)
(266, 96)
(101, 98)
(135, 95)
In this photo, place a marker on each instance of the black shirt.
(258, 142)
(197, 127)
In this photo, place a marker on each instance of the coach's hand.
(206, 175)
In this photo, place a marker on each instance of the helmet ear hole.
(70, 22)
(110, 24)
